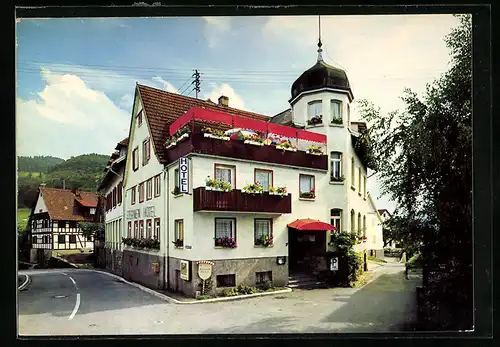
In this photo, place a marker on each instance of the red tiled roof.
(61, 203)
(122, 143)
(383, 210)
(163, 108)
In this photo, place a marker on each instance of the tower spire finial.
(320, 57)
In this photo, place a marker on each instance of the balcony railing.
(197, 143)
(236, 201)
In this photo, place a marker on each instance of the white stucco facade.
(113, 219)
(40, 206)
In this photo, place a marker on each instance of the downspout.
(166, 264)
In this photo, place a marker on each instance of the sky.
(76, 77)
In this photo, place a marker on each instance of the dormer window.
(336, 115)
(315, 113)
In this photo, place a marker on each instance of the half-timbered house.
(53, 222)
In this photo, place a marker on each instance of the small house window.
(135, 159)
(92, 210)
(141, 229)
(149, 189)
(364, 226)
(73, 224)
(136, 229)
(315, 110)
(336, 218)
(359, 224)
(262, 231)
(226, 280)
(156, 232)
(225, 228)
(336, 165)
(225, 173)
(120, 192)
(61, 224)
(149, 228)
(146, 151)
(265, 178)
(263, 277)
(72, 238)
(353, 222)
(141, 192)
(179, 233)
(306, 186)
(364, 187)
(129, 229)
(335, 106)
(61, 238)
(35, 240)
(132, 195)
(157, 185)
(177, 187)
(359, 180)
(352, 172)
(139, 118)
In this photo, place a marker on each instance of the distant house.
(53, 222)
(385, 214)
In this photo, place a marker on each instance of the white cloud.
(215, 29)
(68, 118)
(166, 85)
(235, 100)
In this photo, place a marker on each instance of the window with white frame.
(156, 232)
(225, 228)
(132, 195)
(141, 192)
(129, 230)
(264, 177)
(336, 165)
(336, 107)
(177, 185)
(149, 189)
(141, 229)
(135, 159)
(353, 222)
(336, 218)
(364, 226)
(139, 119)
(315, 109)
(306, 186)
(225, 173)
(146, 151)
(179, 232)
(136, 229)
(359, 224)
(353, 178)
(157, 185)
(262, 229)
(149, 228)
(359, 180)
(364, 186)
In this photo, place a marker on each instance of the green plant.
(226, 242)
(245, 289)
(176, 191)
(204, 297)
(314, 149)
(253, 188)
(337, 179)
(264, 240)
(309, 195)
(315, 120)
(207, 130)
(336, 121)
(286, 144)
(178, 243)
(254, 138)
(225, 186)
(212, 182)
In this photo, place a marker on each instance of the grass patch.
(204, 297)
(22, 217)
(70, 251)
(375, 259)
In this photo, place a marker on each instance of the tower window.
(335, 106)
(315, 111)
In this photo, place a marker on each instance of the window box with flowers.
(225, 242)
(281, 191)
(141, 243)
(308, 195)
(176, 191)
(214, 134)
(315, 120)
(264, 241)
(314, 150)
(253, 188)
(178, 243)
(254, 139)
(286, 146)
(217, 185)
(336, 121)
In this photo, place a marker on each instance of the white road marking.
(77, 305)
(64, 273)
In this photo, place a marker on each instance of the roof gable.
(61, 203)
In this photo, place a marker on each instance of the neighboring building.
(171, 203)
(111, 188)
(376, 243)
(54, 220)
(385, 215)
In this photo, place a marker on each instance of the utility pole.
(64, 183)
(196, 82)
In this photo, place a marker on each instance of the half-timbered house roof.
(162, 108)
(62, 203)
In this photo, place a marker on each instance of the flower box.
(207, 135)
(223, 138)
(170, 145)
(255, 143)
(182, 137)
(290, 149)
(314, 153)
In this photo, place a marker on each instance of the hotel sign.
(184, 175)
(146, 212)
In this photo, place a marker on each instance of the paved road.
(50, 306)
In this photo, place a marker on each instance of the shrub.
(244, 289)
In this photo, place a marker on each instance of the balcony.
(236, 201)
(197, 143)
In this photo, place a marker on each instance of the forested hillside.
(37, 163)
(83, 171)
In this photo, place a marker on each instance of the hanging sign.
(184, 267)
(184, 175)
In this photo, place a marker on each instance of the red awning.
(311, 224)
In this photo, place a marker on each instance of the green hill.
(83, 171)
(37, 163)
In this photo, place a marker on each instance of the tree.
(425, 164)
(93, 229)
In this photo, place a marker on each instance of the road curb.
(175, 301)
(65, 261)
(25, 283)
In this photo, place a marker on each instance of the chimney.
(76, 191)
(223, 100)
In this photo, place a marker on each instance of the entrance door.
(305, 249)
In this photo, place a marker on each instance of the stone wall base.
(244, 270)
(139, 267)
(114, 261)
